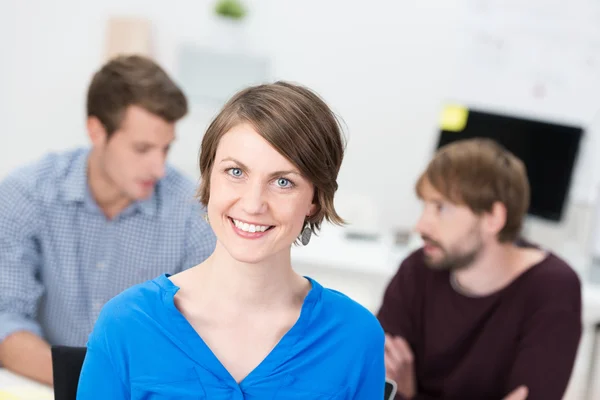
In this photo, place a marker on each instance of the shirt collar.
(74, 186)
(149, 206)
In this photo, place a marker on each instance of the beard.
(455, 259)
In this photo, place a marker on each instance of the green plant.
(230, 9)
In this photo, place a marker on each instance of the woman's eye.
(236, 172)
(282, 182)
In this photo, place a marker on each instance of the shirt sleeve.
(102, 374)
(99, 378)
(372, 384)
(20, 258)
(546, 353)
(398, 310)
(200, 240)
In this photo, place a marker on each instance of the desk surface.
(14, 387)
(331, 249)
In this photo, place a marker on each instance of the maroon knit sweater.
(484, 347)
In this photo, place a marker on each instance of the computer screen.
(548, 150)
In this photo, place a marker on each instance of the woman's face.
(258, 199)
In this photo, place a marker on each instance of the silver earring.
(305, 235)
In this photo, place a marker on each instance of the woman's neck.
(270, 284)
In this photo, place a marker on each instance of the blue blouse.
(142, 347)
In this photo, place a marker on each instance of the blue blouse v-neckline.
(201, 353)
(143, 347)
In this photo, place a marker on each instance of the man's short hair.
(133, 81)
(478, 173)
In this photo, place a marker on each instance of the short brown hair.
(298, 124)
(477, 173)
(133, 80)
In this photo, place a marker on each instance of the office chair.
(390, 389)
(66, 366)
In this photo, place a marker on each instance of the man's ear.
(495, 220)
(96, 132)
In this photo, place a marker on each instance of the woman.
(243, 324)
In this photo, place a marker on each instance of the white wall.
(58, 46)
(385, 66)
(539, 59)
(377, 63)
(7, 73)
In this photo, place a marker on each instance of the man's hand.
(519, 393)
(27, 354)
(399, 365)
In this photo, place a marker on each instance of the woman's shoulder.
(133, 306)
(145, 293)
(350, 315)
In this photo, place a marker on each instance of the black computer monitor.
(548, 150)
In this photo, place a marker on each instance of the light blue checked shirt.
(61, 260)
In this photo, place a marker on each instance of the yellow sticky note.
(454, 118)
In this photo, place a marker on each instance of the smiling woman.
(298, 125)
(243, 323)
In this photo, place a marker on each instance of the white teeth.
(249, 227)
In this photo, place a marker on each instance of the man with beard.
(478, 313)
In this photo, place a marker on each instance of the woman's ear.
(311, 210)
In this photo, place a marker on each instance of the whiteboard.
(539, 59)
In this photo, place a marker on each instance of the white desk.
(14, 387)
(362, 270)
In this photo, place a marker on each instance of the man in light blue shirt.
(79, 227)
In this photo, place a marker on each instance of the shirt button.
(97, 306)
(101, 265)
